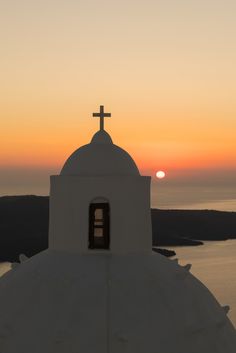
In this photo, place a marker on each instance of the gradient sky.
(164, 69)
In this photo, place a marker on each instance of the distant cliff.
(24, 226)
(171, 225)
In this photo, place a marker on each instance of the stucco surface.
(70, 303)
(100, 157)
(130, 218)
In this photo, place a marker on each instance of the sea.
(213, 263)
(193, 198)
(220, 205)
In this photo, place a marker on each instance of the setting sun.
(160, 174)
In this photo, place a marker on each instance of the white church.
(99, 288)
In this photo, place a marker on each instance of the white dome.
(100, 157)
(57, 302)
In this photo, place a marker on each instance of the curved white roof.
(57, 302)
(100, 157)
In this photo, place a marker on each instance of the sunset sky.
(165, 69)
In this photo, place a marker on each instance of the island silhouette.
(24, 226)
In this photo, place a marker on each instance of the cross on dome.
(102, 115)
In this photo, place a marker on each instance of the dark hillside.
(197, 224)
(24, 226)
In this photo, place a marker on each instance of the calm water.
(214, 264)
(226, 205)
(194, 197)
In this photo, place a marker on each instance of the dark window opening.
(99, 227)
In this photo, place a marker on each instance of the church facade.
(100, 201)
(99, 288)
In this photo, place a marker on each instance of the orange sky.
(164, 69)
(158, 140)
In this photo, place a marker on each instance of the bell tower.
(100, 202)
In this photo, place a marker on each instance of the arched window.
(99, 225)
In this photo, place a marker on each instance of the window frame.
(105, 244)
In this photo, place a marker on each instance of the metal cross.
(102, 115)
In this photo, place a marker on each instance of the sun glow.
(160, 174)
